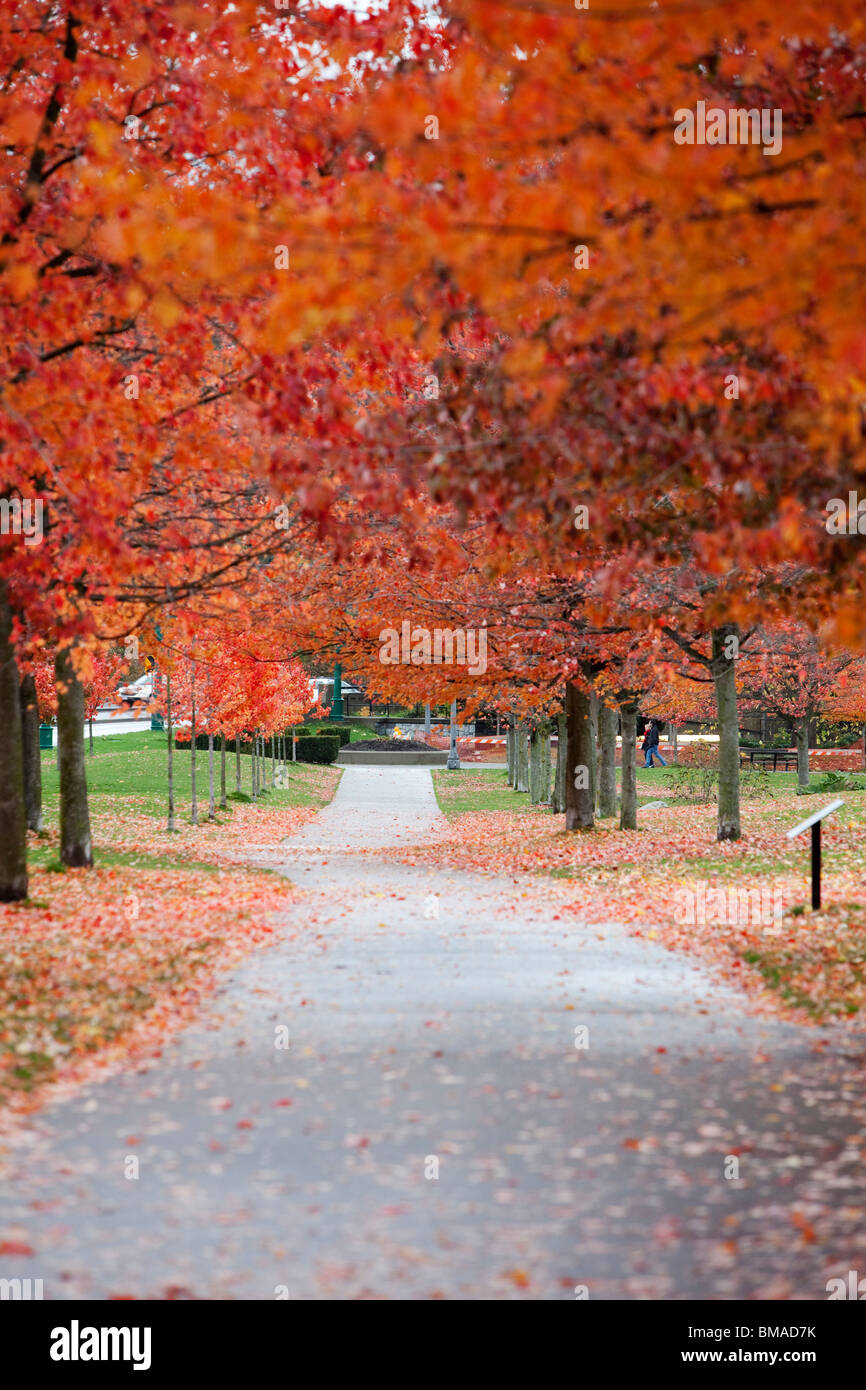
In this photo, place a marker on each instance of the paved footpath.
(431, 1129)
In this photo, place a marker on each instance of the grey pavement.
(432, 1129)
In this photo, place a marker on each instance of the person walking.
(651, 744)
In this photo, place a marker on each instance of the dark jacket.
(653, 735)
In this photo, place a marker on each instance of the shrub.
(693, 783)
(831, 781)
(755, 782)
(784, 738)
(838, 733)
(181, 741)
(342, 731)
(318, 749)
(699, 754)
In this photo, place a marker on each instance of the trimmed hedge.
(343, 732)
(182, 741)
(201, 744)
(318, 749)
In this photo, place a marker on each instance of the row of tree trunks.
(539, 764)
(585, 779)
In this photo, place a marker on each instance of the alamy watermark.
(734, 126)
(20, 1289)
(853, 1288)
(418, 646)
(22, 516)
(730, 907)
(846, 518)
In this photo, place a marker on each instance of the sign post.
(814, 822)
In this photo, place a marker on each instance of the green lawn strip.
(45, 857)
(135, 767)
(477, 789)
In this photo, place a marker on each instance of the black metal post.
(816, 865)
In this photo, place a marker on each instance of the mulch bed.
(393, 745)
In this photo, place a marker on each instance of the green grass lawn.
(135, 767)
(474, 788)
(359, 730)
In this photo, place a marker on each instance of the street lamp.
(337, 697)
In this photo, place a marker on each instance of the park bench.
(768, 758)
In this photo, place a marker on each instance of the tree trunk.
(238, 786)
(578, 784)
(628, 803)
(76, 848)
(803, 754)
(90, 727)
(211, 806)
(545, 764)
(32, 754)
(223, 802)
(522, 756)
(561, 760)
(675, 752)
(607, 762)
(593, 762)
(273, 760)
(194, 809)
(294, 747)
(13, 816)
(534, 766)
(724, 677)
(510, 748)
(171, 825)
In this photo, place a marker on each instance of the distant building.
(323, 688)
